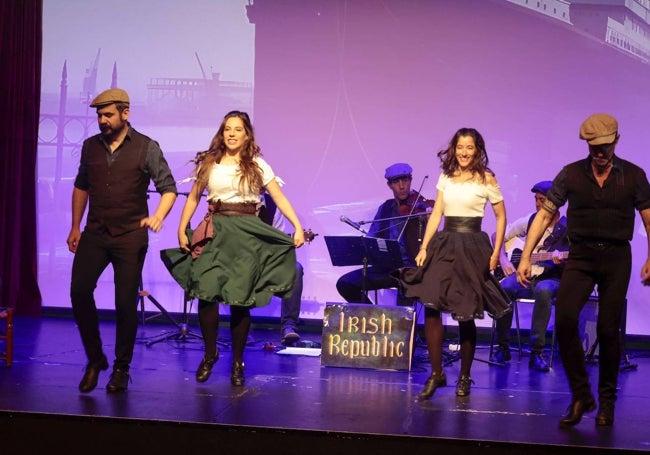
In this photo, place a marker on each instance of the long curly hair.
(479, 163)
(251, 174)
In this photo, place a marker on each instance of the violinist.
(402, 218)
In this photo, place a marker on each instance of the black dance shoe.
(237, 374)
(119, 381)
(538, 363)
(501, 356)
(205, 368)
(433, 382)
(464, 386)
(576, 410)
(89, 381)
(605, 416)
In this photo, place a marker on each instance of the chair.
(590, 348)
(7, 335)
(515, 309)
(593, 299)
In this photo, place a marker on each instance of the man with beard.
(115, 169)
(602, 191)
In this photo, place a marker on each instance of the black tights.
(434, 334)
(240, 323)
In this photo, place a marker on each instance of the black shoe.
(289, 336)
(575, 411)
(237, 374)
(89, 381)
(205, 368)
(501, 356)
(538, 363)
(119, 381)
(605, 416)
(463, 386)
(433, 382)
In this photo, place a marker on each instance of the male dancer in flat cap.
(602, 191)
(115, 169)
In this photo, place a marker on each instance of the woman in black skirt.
(233, 257)
(455, 264)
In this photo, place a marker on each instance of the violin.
(415, 204)
(422, 204)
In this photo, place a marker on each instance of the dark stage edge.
(292, 404)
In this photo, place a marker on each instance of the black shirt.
(598, 214)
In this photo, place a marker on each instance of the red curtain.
(20, 90)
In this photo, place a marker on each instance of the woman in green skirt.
(232, 256)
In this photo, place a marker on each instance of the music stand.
(354, 250)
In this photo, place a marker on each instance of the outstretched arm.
(537, 228)
(432, 228)
(287, 210)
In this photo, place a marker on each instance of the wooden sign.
(359, 335)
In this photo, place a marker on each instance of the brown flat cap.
(599, 129)
(110, 96)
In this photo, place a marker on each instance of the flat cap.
(110, 96)
(398, 170)
(542, 187)
(599, 129)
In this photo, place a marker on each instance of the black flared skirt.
(455, 277)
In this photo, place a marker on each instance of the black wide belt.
(463, 224)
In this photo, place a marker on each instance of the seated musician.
(544, 283)
(405, 205)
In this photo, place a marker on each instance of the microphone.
(349, 222)
(187, 180)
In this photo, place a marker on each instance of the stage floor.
(508, 406)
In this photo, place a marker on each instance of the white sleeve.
(267, 171)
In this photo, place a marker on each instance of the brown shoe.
(237, 375)
(464, 386)
(119, 381)
(205, 368)
(576, 410)
(605, 416)
(433, 382)
(89, 380)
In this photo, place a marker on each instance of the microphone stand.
(182, 331)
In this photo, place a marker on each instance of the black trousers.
(126, 253)
(608, 266)
(351, 285)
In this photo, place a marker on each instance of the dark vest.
(117, 194)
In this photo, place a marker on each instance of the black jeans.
(608, 266)
(351, 286)
(126, 253)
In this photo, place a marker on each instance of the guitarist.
(544, 282)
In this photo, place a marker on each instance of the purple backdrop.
(339, 90)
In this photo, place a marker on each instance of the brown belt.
(232, 208)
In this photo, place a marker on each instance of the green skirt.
(245, 263)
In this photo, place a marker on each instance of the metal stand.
(449, 358)
(453, 356)
(182, 332)
(626, 365)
